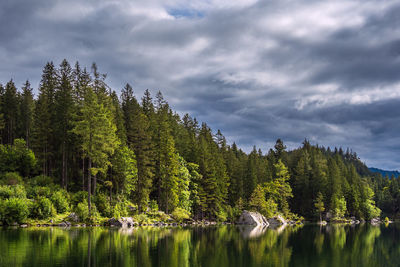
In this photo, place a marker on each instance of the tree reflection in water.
(311, 245)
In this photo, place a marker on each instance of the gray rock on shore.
(252, 218)
(122, 222)
(277, 221)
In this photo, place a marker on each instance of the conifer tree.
(98, 135)
(10, 109)
(26, 113)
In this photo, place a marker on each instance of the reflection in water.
(310, 245)
(250, 231)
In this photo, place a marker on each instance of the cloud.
(258, 70)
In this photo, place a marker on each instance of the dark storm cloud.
(258, 70)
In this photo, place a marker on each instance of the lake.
(309, 245)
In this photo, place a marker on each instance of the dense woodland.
(78, 145)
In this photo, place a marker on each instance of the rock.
(252, 218)
(375, 221)
(122, 222)
(64, 224)
(73, 217)
(251, 231)
(277, 221)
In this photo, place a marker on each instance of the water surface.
(310, 245)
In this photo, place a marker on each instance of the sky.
(328, 71)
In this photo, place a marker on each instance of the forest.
(78, 146)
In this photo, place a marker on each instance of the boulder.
(64, 224)
(122, 222)
(375, 221)
(252, 231)
(252, 218)
(277, 221)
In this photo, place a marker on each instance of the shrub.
(103, 205)
(60, 201)
(82, 210)
(14, 210)
(8, 191)
(39, 191)
(153, 205)
(158, 216)
(180, 214)
(79, 197)
(12, 178)
(222, 216)
(142, 219)
(41, 180)
(43, 208)
(121, 209)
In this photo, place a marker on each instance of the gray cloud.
(258, 70)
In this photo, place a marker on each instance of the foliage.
(79, 197)
(103, 205)
(12, 191)
(180, 214)
(82, 211)
(14, 210)
(42, 208)
(319, 204)
(39, 191)
(60, 201)
(12, 178)
(338, 206)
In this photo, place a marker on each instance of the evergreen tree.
(26, 113)
(10, 111)
(98, 135)
(43, 133)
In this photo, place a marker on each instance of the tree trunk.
(83, 173)
(94, 184)
(89, 184)
(63, 165)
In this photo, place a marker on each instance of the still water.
(310, 245)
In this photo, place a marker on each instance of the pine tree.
(139, 140)
(98, 136)
(10, 111)
(26, 112)
(43, 131)
(319, 205)
(64, 112)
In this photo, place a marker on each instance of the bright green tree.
(98, 136)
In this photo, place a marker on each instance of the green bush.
(43, 208)
(41, 180)
(14, 210)
(79, 197)
(121, 210)
(82, 210)
(60, 201)
(39, 191)
(12, 178)
(142, 219)
(8, 191)
(222, 216)
(103, 205)
(180, 214)
(153, 205)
